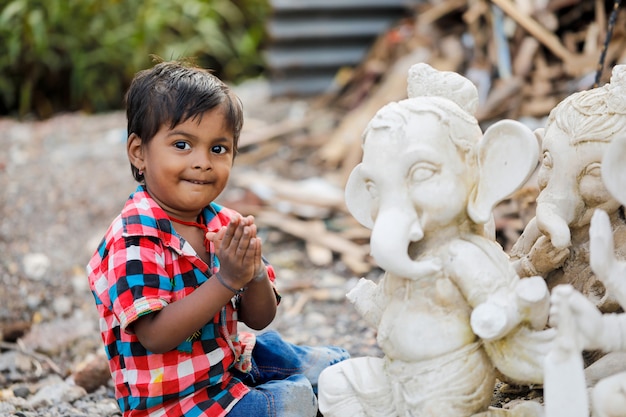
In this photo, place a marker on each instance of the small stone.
(7, 409)
(315, 319)
(92, 373)
(21, 391)
(62, 305)
(56, 392)
(5, 395)
(35, 265)
(54, 336)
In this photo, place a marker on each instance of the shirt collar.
(142, 216)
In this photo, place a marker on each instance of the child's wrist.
(261, 275)
(222, 281)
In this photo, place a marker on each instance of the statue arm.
(521, 248)
(500, 300)
(526, 240)
(474, 270)
(614, 332)
(608, 269)
(581, 325)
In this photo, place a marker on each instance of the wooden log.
(356, 264)
(392, 88)
(575, 64)
(538, 106)
(268, 149)
(303, 230)
(556, 5)
(523, 61)
(271, 188)
(354, 253)
(319, 255)
(439, 10)
(259, 135)
(496, 102)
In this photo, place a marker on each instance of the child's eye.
(219, 149)
(182, 145)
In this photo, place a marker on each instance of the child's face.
(187, 167)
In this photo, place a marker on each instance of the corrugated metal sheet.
(320, 27)
(310, 40)
(310, 5)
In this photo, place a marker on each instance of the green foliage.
(81, 54)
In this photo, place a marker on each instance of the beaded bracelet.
(221, 280)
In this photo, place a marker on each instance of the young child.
(176, 271)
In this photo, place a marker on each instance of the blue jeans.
(283, 378)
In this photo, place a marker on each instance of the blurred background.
(311, 74)
(60, 55)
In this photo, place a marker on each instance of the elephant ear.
(539, 134)
(358, 199)
(614, 168)
(507, 156)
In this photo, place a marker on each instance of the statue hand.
(577, 319)
(544, 257)
(366, 298)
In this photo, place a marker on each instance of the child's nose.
(202, 160)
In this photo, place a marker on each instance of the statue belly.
(411, 332)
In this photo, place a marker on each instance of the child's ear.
(135, 151)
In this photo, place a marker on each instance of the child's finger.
(230, 232)
(257, 254)
(216, 237)
(240, 238)
(213, 236)
(248, 243)
(248, 220)
(253, 230)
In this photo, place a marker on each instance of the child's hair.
(173, 92)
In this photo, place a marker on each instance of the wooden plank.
(309, 233)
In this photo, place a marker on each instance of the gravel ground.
(61, 183)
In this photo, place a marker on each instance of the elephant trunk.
(392, 234)
(553, 220)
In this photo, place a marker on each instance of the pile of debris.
(524, 57)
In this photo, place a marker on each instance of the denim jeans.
(283, 378)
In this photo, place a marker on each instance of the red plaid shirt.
(141, 266)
